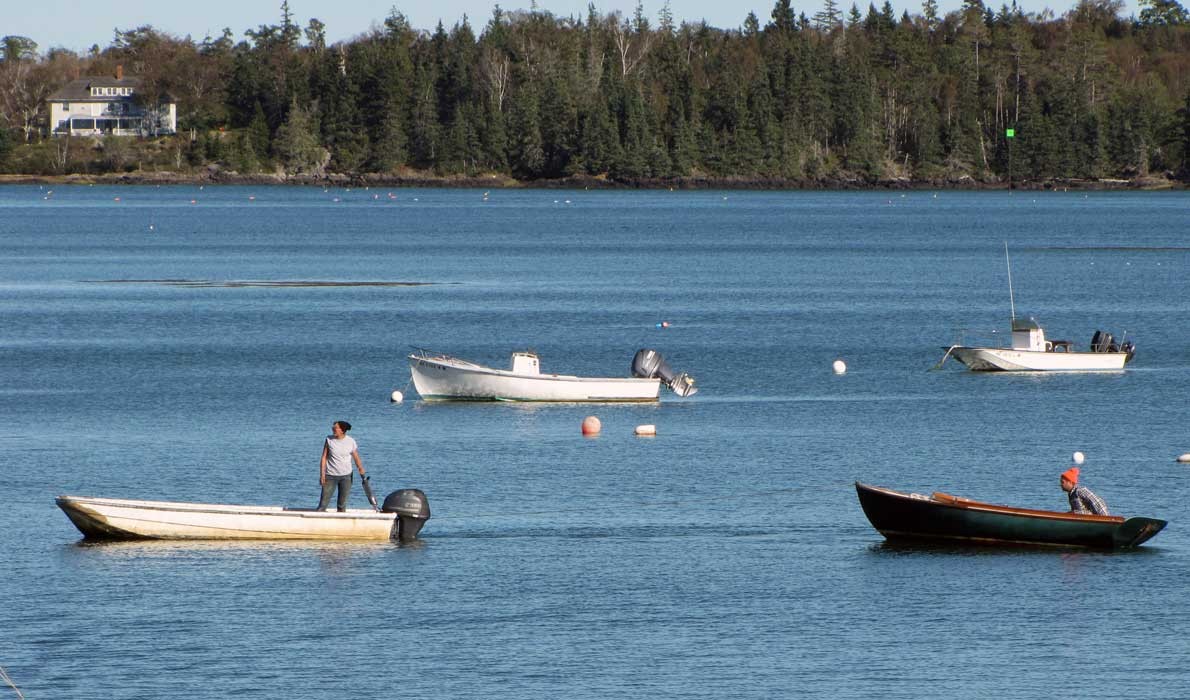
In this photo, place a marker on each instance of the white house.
(98, 105)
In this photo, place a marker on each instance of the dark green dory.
(939, 516)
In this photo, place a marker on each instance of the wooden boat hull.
(449, 379)
(1009, 360)
(901, 516)
(114, 518)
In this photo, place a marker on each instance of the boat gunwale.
(1090, 353)
(949, 501)
(219, 509)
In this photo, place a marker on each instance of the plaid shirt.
(1083, 500)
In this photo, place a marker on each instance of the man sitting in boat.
(1082, 499)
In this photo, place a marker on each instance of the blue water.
(727, 557)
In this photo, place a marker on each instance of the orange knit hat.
(1071, 474)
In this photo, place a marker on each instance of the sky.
(88, 23)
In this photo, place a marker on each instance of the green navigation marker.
(1010, 133)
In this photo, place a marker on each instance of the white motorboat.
(440, 377)
(1032, 352)
(402, 517)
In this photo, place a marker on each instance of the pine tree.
(526, 155)
(829, 17)
(259, 134)
(296, 144)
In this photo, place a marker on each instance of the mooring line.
(5, 677)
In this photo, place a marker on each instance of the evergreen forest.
(821, 96)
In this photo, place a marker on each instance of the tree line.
(840, 95)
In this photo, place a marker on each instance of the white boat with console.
(401, 517)
(440, 377)
(1032, 352)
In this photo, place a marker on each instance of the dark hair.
(344, 425)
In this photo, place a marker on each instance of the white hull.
(446, 378)
(1009, 360)
(114, 518)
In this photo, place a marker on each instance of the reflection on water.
(117, 549)
(943, 548)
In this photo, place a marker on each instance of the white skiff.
(117, 518)
(440, 377)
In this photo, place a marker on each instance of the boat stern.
(1136, 531)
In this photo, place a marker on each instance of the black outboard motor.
(649, 363)
(412, 509)
(1102, 342)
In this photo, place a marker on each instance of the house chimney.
(120, 72)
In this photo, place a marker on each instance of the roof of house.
(80, 90)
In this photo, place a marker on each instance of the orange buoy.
(591, 425)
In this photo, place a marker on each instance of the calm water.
(727, 557)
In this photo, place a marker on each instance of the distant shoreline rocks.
(499, 181)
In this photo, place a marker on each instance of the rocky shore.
(490, 181)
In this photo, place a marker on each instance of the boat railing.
(967, 337)
(427, 354)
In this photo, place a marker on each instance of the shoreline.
(496, 181)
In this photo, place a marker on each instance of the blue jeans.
(344, 484)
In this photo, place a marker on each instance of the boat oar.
(367, 482)
(943, 360)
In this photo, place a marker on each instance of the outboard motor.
(412, 509)
(649, 363)
(1101, 342)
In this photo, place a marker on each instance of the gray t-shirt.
(338, 455)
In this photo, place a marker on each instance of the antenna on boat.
(1011, 302)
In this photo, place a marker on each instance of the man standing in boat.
(1082, 499)
(334, 469)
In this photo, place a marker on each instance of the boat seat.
(1060, 345)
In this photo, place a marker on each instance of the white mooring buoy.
(840, 367)
(396, 397)
(1184, 458)
(646, 430)
(1079, 458)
